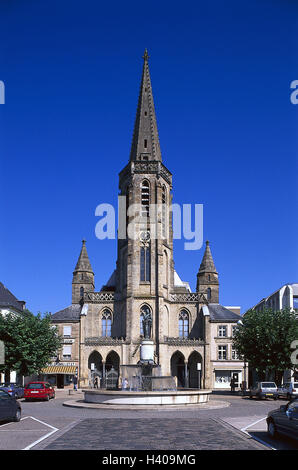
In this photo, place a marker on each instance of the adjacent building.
(102, 330)
(10, 304)
(285, 297)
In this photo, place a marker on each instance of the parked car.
(39, 391)
(13, 389)
(288, 390)
(264, 390)
(10, 408)
(284, 420)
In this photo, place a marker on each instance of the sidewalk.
(66, 392)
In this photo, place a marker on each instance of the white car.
(264, 390)
(288, 390)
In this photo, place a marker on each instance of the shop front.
(222, 378)
(60, 375)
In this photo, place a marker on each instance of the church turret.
(207, 277)
(83, 276)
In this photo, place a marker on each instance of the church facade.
(191, 331)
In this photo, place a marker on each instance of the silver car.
(264, 390)
(288, 390)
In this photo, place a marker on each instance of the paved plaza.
(149, 434)
(240, 425)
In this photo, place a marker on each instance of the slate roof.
(219, 313)
(71, 313)
(7, 299)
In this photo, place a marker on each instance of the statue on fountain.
(147, 322)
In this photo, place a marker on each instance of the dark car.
(39, 391)
(10, 409)
(284, 420)
(13, 389)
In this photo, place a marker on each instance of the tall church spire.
(145, 142)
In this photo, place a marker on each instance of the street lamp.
(240, 323)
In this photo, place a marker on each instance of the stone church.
(191, 331)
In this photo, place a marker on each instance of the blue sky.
(221, 74)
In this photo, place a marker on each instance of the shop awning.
(70, 370)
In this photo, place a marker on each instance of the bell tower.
(145, 256)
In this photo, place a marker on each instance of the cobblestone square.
(152, 434)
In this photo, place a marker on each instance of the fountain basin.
(120, 397)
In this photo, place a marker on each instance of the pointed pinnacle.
(146, 56)
(83, 263)
(207, 264)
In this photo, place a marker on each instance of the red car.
(39, 391)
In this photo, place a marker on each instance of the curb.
(211, 405)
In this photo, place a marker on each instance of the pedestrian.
(232, 385)
(96, 382)
(75, 382)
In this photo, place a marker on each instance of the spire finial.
(146, 56)
(84, 241)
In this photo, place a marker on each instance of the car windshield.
(34, 386)
(296, 384)
(268, 384)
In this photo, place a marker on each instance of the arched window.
(183, 324)
(145, 198)
(208, 293)
(82, 291)
(145, 262)
(106, 323)
(166, 268)
(145, 312)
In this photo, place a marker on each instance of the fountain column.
(147, 350)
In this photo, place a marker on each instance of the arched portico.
(96, 369)
(178, 368)
(194, 371)
(113, 361)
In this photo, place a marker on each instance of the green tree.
(30, 342)
(264, 340)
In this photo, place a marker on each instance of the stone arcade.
(104, 329)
